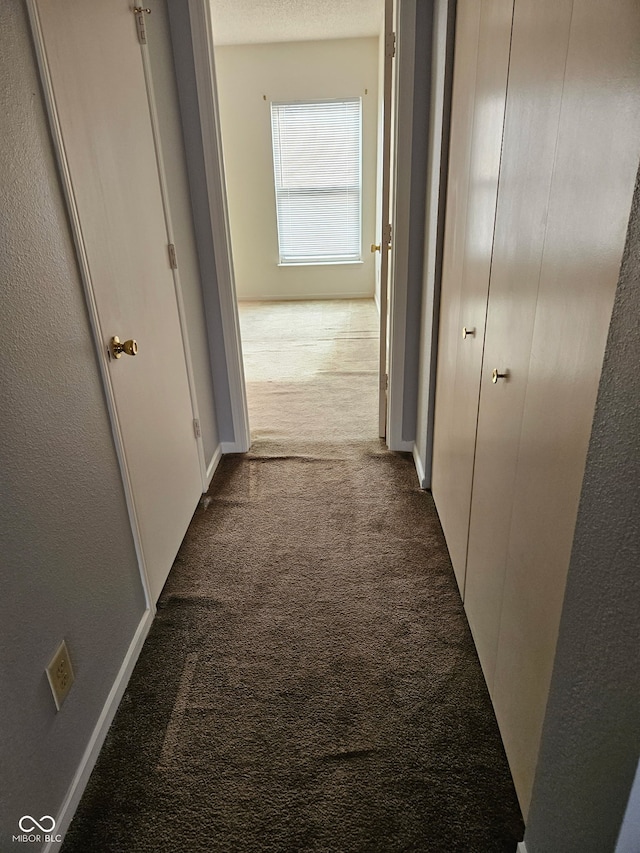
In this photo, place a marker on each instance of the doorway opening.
(311, 369)
(311, 327)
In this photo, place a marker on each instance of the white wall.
(288, 72)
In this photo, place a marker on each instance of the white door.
(92, 58)
(540, 38)
(481, 67)
(570, 158)
(384, 213)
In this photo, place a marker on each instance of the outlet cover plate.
(60, 674)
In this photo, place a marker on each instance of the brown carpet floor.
(310, 682)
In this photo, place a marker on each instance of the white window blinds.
(317, 155)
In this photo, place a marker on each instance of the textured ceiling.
(255, 21)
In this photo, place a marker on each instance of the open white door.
(384, 225)
(95, 87)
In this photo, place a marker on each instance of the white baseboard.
(400, 445)
(521, 848)
(419, 466)
(79, 783)
(232, 447)
(215, 461)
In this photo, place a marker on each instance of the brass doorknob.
(375, 248)
(466, 333)
(118, 348)
(495, 375)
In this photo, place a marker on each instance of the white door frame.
(204, 65)
(405, 22)
(164, 192)
(384, 213)
(203, 57)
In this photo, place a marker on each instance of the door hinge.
(173, 260)
(386, 235)
(140, 12)
(196, 428)
(386, 382)
(390, 45)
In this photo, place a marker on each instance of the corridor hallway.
(310, 682)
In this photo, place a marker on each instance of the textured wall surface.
(248, 22)
(67, 564)
(591, 736)
(166, 95)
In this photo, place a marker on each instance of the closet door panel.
(596, 161)
(452, 493)
(483, 34)
(538, 54)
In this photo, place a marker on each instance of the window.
(317, 150)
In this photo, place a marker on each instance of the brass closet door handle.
(118, 348)
(468, 333)
(495, 375)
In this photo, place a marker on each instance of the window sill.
(319, 263)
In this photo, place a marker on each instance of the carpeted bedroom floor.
(310, 682)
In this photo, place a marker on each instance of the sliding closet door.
(483, 35)
(538, 53)
(596, 159)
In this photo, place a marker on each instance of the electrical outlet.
(60, 674)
